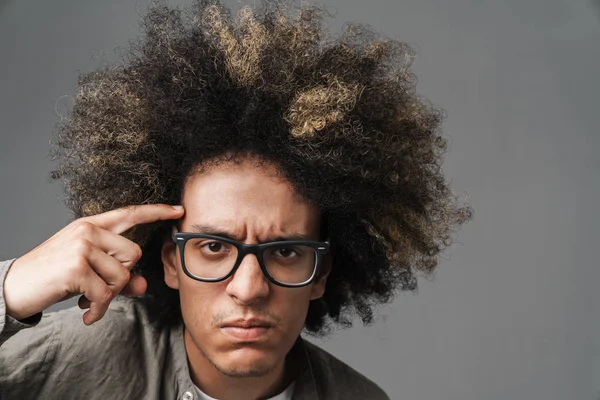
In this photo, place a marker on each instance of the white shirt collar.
(285, 395)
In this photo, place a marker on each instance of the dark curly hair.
(338, 116)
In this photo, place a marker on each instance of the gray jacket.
(122, 356)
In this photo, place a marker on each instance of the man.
(308, 174)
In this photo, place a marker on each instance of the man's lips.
(246, 334)
(247, 329)
(248, 323)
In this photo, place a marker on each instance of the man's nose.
(248, 284)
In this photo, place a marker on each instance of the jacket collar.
(306, 385)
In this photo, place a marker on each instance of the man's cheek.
(296, 308)
(196, 308)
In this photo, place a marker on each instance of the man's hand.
(88, 257)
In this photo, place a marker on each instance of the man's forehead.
(271, 235)
(242, 200)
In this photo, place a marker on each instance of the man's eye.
(285, 252)
(213, 247)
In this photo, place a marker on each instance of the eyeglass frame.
(321, 249)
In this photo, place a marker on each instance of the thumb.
(136, 286)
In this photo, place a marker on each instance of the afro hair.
(337, 114)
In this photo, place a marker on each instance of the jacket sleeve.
(8, 325)
(24, 352)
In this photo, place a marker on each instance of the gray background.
(513, 310)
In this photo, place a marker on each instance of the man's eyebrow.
(210, 230)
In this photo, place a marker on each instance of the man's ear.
(318, 285)
(168, 255)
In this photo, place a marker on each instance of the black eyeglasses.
(289, 263)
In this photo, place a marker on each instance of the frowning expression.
(245, 324)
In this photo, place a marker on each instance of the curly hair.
(338, 115)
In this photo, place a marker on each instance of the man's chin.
(245, 364)
(251, 372)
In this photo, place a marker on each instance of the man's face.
(253, 205)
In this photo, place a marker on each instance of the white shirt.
(285, 395)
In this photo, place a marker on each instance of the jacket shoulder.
(67, 359)
(122, 320)
(336, 379)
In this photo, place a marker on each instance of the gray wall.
(513, 311)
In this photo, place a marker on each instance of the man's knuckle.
(137, 252)
(80, 262)
(80, 250)
(84, 228)
(106, 295)
(125, 276)
(83, 247)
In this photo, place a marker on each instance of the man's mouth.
(252, 329)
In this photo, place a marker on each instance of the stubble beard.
(256, 372)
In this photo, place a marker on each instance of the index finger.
(122, 219)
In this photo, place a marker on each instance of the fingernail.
(178, 208)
